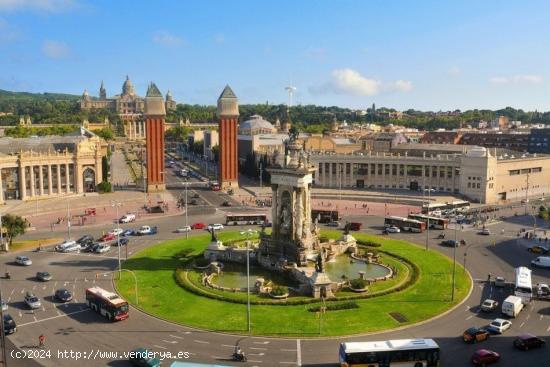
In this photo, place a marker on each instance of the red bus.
(435, 222)
(405, 224)
(107, 304)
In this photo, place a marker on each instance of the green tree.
(216, 152)
(14, 225)
(105, 133)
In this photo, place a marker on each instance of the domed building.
(256, 125)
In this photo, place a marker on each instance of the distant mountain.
(23, 96)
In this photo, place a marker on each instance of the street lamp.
(454, 264)
(117, 205)
(186, 183)
(248, 233)
(429, 190)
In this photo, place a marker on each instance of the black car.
(451, 243)
(63, 295)
(122, 240)
(43, 276)
(195, 196)
(85, 240)
(88, 247)
(226, 203)
(9, 324)
(528, 341)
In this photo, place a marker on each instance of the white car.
(23, 260)
(65, 244)
(499, 325)
(127, 218)
(116, 231)
(32, 301)
(71, 248)
(489, 305)
(216, 227)
(184, 229)
(393, 229)
(102, 249)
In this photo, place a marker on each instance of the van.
(65, 244)
(511, 306)
(127, 218)
(541, 261)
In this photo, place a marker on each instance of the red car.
(484, 357)
(107, 237)
(198, 225)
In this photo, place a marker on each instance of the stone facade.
(154, 121)
(228, 117)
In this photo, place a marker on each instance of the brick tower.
(154, 124)
(228, 117)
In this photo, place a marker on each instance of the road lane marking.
(548, 329)
(254, 361)
(170, 341)
(469, 317)
(228, 346)
(53, 317)
(288, 350)
(540, 317)
(201, 341)
(287, 362)
(258, 348)
(527, 318)
(175, 336)
(298, 353)
(158, 346)
(521, 325)
(256, 354)
(263, 343)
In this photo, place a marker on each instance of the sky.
(426, 55)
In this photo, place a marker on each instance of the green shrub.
(104, 186)
(358, 283)
(335, 306)
(368, 243)
(324, 238)
(279, 290)
(201, 261)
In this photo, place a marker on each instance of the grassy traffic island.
(170, 287)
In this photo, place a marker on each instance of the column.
(79, 186)
(22, 183)
(143, 129)
(58, 179)
(330, 174)
(41, 178)
(67, 178)
(33, 182)
(50, 188)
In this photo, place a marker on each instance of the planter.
(282, 296)
(362, 290)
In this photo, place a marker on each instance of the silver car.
(32, 301)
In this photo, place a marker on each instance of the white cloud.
(167, 39)
(454, 70)
(56, 49)
(349, 81)
(51, 6)
(517, 79)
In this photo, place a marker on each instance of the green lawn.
(159, 294)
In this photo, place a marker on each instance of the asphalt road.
(73, 327)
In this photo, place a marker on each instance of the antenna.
(290, 89)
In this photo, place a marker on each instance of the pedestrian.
(41, 341)
(489, 278)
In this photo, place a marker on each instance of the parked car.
(194, 202)
(538, 249)
(123, 241)
(102, 248)
(489, 305)
(226, 203)
(75, 247)
(451, 243)
(116, 231)
(485, 232)
(146, 230)
(65, 244)
(127, 218)
(43, 276)
(541, 261)
(23, 260)
(500, 282)
(184, 229)
(85, 239)
(4, 306)
(333, 224)
(32, 301)
(528, 341)
(129, 232)
(89, 247)
(475, 334)
(198, 225)
(499, 325)
(393, 229)
(63, 295)
(107, 237)
(216, 226)
(9, 324)
(484, 357)
(195, 196)
(141, 357)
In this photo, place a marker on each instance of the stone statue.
(347, 228)
(285, 217)
(213, 233)
(319, 264)
(316, 226)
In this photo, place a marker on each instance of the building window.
(426, 171)
(348, 168)
(469, 185)
(387, 169)
(333, 168)
(434, 171)
(394, 169)
(356, 169)
(379, 169)
(478, 185)
(327, 168)
(372, 169)
(449, 172)
(536, 169)
(401, 171)
(320, 168)
(414, 170)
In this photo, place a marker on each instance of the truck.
(512, 306)
(146, 230)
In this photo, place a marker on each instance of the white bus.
(402, 353)
(523, 287)
(405, 224)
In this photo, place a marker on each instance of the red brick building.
(441, 137)
(228, 119)
(155, 112)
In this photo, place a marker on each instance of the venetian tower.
(154, 124)
(228, 117)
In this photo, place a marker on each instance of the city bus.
(523, 286)
(435, 222)
(458, 205)
(325, 216)
(245, 218)
(433, 207)
(403, 352)
(405, 224)
(107, 304)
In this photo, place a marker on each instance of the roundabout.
(170, 288)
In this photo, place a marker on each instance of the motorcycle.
(239, 357)
(441, 236)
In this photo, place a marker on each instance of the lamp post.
(429, 190)
(248, 233)
(116, 205)
(454, 265)
(186, 183)
(68, 219)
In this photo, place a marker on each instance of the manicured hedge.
(335, 306)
